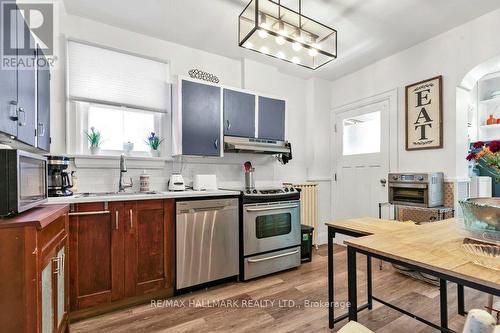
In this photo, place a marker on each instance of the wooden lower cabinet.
(34, 284)
(96, 259)
(148, 246)
(121, 253)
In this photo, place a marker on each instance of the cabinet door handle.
(228, 124)
(57, 260)
(116, 220)
(22, 120)
(41, 129)
(13, 110)
(216, 143)
(131, 214)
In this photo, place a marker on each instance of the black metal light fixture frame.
(256, 28)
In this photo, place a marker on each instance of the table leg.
(331, 306)
(461, 300)
(352, 283)
(380, 217)
(369, 281)
(443, 303)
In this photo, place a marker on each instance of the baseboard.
(78, 315)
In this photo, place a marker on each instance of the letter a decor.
(424, 114)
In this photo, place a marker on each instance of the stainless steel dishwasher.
(206, 241)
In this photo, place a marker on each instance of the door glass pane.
(47, 313)
(361, 134)
(273, 225)
(60, 288)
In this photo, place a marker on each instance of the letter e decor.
(424, 114)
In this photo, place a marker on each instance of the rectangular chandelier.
(267, 27)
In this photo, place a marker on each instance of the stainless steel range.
(270, 231)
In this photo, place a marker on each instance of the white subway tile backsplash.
(228, 175)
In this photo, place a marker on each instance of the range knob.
(286, 189)
(420, 178)
(248, 191)
(395, 177)
(254, 191)
(292, 189)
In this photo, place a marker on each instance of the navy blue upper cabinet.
(26, 87)
(8, 90)
(19, 109)
(239, 113)
(271, 118)
(43, 102)
(201, 119)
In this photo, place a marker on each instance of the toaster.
(205, 183)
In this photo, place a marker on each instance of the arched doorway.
(478, 100)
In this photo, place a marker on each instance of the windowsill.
(111, 161)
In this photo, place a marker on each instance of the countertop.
(40, 217)
(141, 196)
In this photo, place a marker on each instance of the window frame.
(81, 117)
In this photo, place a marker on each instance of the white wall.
(451, 54)
(233, 72)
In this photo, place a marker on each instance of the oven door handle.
(400, 185)
(271, 208)
(274, 257)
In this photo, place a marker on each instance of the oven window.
(31, 180)
(409, 195)
(273, 225)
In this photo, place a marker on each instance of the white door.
(361, 160)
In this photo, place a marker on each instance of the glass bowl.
(482, 253)
(482, 218)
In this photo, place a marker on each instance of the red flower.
(479, 144)
(494, 146)
(471, 156)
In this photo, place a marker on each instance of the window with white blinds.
(106, 76)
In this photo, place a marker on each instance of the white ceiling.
(368, 30)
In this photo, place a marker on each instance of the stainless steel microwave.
(23, 181)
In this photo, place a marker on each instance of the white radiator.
(309, 206)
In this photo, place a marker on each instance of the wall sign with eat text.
(424, 114)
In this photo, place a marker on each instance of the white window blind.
(106, 76)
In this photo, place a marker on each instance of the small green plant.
(154, 141)
(94, 137)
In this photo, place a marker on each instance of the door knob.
(383, 181)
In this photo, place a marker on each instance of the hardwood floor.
(289, 302)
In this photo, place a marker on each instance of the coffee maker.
(59, 180)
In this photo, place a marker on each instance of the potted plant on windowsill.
(154, 143)
(94, 138)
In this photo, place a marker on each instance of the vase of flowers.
(486, 157)
(94, 137)
(154, 143)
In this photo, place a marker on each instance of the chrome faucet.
(123, 168)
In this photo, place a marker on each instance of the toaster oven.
(417, 189)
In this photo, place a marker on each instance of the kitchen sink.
(104, 194)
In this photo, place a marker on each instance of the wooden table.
(434, 249)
